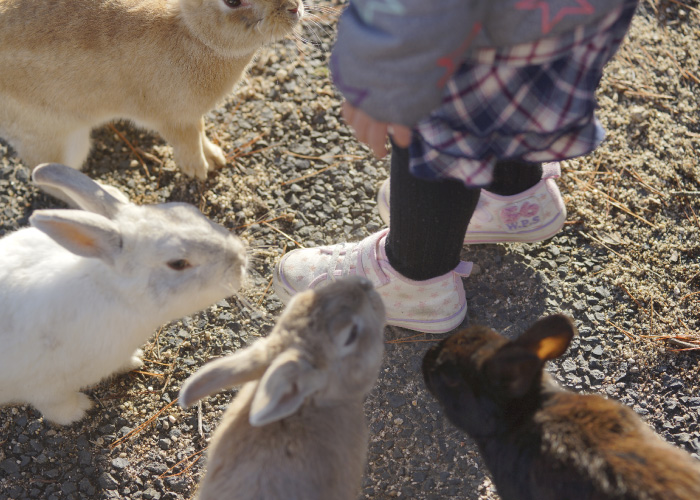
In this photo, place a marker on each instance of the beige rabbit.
(70, 65)
(297, 430)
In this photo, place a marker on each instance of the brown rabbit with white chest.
(71, 65)
(541, 442)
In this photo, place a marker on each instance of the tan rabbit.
(71, 65)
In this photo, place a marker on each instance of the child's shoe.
(436, 305)
(535, 214)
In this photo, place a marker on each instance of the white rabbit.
(71, 65)
(297, 430)
(81, 290)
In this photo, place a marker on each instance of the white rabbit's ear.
(82, 233)
(236, 369)
(283, 389)
(86, 193)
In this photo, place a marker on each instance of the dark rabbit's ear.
(516, 366)
(512, 371)
(549, 337)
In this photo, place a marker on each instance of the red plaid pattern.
(534, 101)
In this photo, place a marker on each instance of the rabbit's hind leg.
(65, 408)
(77, 147)
(51, 139)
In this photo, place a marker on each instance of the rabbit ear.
(549, 337)
(85, 192)
(236, 369)
(283, 389)
(513, 370)
(82, 233)
(517, 365)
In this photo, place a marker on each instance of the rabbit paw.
(214, 154)
(66, 410)
(135, 362)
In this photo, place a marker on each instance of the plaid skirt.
(534, 102)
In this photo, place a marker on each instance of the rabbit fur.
(297, 430)
(542, 442)
(81, 290)
(71, 65)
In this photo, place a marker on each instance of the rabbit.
(297, 430)
(71, 65)
(543, 442)
(82, 290)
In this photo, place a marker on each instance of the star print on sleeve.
(386, 6)
(449, 62)
(548, 21)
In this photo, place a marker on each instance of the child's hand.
(373, 132)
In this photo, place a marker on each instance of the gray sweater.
(393, 57)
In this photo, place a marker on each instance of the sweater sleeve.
(392, 57)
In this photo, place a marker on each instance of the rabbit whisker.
(314, 22)
(305, 41)
(324, 9)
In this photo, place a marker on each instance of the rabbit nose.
(295, 8)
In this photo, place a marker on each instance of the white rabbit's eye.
(179, 264)
(233, 3)
(352, 337)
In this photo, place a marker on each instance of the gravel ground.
(625, 266)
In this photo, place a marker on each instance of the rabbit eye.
(352, 337)
(233, 3)
(179, 264)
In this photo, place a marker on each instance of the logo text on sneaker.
(521, 215)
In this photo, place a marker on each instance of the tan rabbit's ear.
(82, 233)
(85, 192)
(236, 369)
(284, 387)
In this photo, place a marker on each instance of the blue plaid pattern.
(535, 102)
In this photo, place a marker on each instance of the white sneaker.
(436, 305)
(535, 214)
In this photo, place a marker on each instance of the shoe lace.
(356, 253)
(348, 257)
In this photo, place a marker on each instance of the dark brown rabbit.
(540, 441)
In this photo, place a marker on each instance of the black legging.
(428, 219)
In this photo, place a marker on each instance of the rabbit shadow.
(414, 450)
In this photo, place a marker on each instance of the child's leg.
(427, 222)
(420, 282)
(513, 176)
(516, 184)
